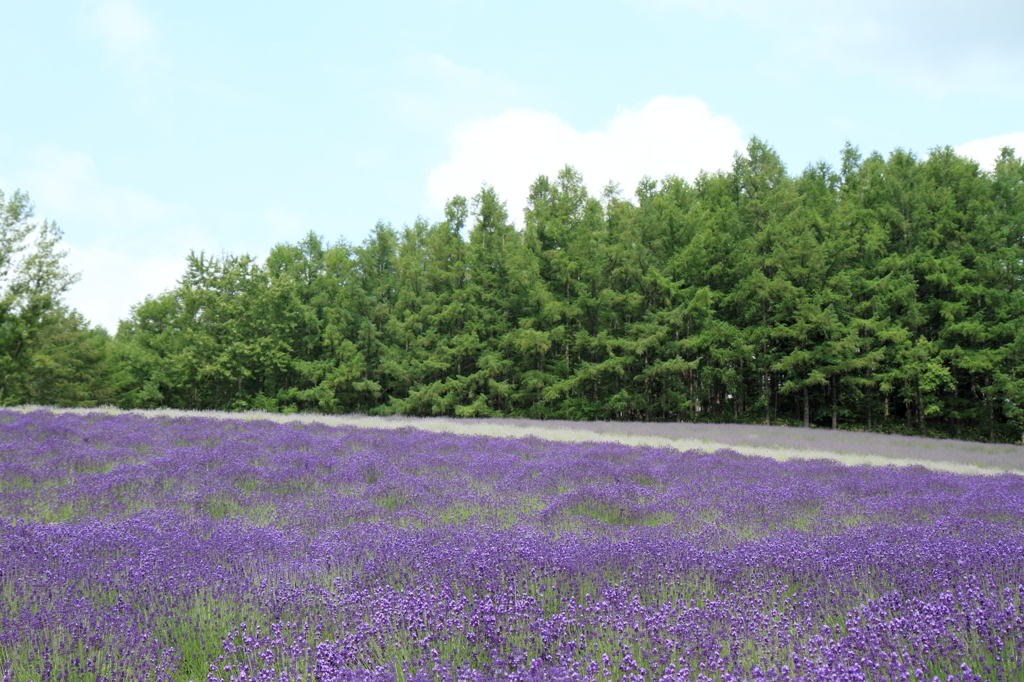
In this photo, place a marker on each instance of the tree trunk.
(867, 404)
(775, 398)
(991, 421)
(647, 392)
(920, 410)
(835, 404)
(991, 413)
(689, 383)
(807, 409)
(956, 403)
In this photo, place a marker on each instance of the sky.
(148, 129)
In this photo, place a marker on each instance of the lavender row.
(140, 548)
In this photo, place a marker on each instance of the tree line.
(886, 294)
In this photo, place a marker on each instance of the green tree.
(35, 329)
(885, 294)
(309, 303)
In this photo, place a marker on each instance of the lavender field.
(190, 548)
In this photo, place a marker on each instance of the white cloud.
(282, 222)
(124, 242)
(437, 67)
(986, 150)
(668, 135)
(126, 33)
(67, 185)
(114, 279)
(939, 46)
(435, 91)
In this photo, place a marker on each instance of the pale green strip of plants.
(539, 430)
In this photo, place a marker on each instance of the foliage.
(48, 353)
(886, 294)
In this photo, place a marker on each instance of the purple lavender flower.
(137, 548)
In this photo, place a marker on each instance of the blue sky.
(146, 129)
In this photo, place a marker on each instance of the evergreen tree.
(884, 294)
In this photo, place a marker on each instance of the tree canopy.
(885, 294)
(48, 353)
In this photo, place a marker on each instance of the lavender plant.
(135, 548)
